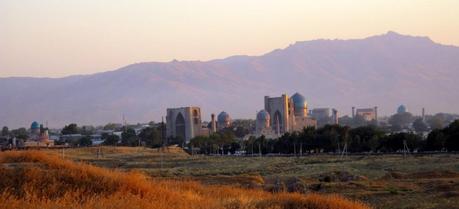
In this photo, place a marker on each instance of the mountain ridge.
(412, 70)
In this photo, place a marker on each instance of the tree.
(20, 133)
(306, 138)
(129, 138)
(419, 125)
(85, 141)
(70, 129)
(435, 141)
(346, 121)
(395, 142)
(452, 136)
(151, 136)
(240, 131)
(400, 121)
(5, 131)
(110, 139)
(364, 139)
(203, 143)
(112, 126)
(358, 121)
(87, 130)
(437, 122)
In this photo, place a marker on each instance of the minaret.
(353, 112)
(213, 124)
(376, 114)
(335, 116)
(423, 115)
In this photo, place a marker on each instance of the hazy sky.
(54, 38)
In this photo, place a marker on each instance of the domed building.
(300, 105)
(263, 120)
(223, 120)
(288, 114)
(401, 109)
(263, 125)
(39, 136)
(35, 128)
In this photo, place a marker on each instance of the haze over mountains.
(385, 71)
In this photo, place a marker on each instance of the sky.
(56, 38)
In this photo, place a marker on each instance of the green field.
(384, 181)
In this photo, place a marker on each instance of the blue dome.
(299, 104)
(401, 109)
(263, 115)
(299, 100)
(35, 125)
(223, 117)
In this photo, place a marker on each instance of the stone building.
(288, 114)
(263, 125)
(325, 116)
(368, 114)
(183, 123)
(223, 120)
(39, 136)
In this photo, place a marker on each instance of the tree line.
(332, 138)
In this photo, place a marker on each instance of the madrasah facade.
(283, 114)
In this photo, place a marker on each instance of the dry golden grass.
(33, 179)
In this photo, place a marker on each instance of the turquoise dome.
(35, 125)
(401, 109)
(299, 103)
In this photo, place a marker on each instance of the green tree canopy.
(437, 121)
(85, 141)
(419, 125)
(70, 129)
(5, 131)
(151, 136)
(110, 139)
(20, 133)
(129, 138)
(400, 120)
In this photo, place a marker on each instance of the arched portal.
(180, 126)
(277, 122)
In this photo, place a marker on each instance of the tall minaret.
(376, 114)
(213, 124)
(423, 114)
(353, 112)
(335, 116)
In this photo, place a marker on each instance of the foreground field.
(34, 179)
(389, 181)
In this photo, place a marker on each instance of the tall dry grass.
(32, 179)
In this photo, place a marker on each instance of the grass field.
(34, 179)
(386, 181)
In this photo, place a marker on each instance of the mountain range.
(383, 70)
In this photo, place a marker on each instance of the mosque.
(39, 136)
(184, 123)
(368, 114)
(223, 121)
(283, 114)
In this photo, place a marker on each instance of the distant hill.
(384, 71)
